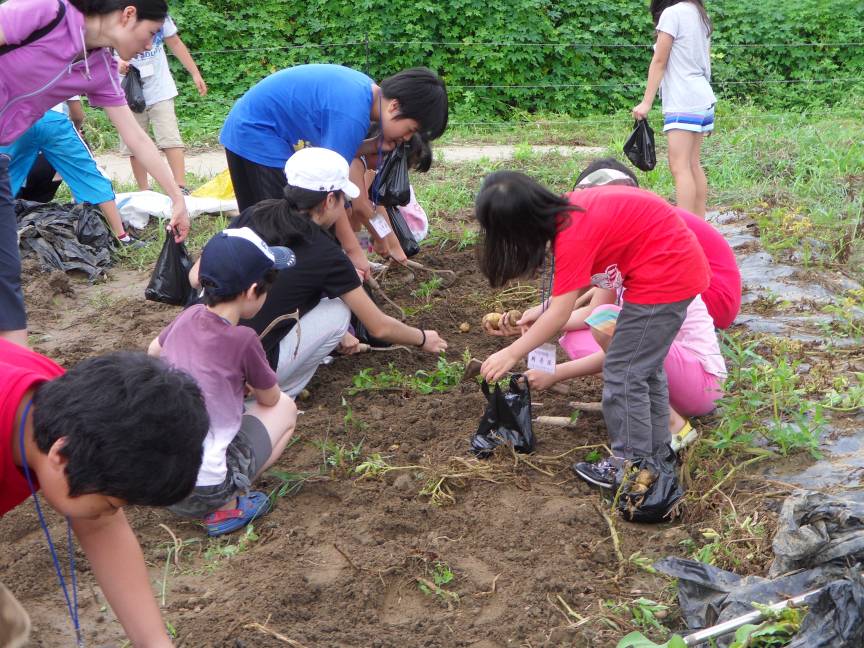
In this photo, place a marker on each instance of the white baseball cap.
(319, 169)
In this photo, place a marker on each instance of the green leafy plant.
(338, 455)
(638, 640)
(444, 377)
(777, 630)
(438, 576)
(427, 288)
(220, 549)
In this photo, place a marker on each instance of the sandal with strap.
(684, 437)
(249, 508)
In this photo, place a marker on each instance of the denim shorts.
(695, 121)
(249, 450)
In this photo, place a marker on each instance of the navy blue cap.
(234, 259)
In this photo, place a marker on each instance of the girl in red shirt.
(611, 237)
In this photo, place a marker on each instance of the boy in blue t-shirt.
(236, 270)
(332, 107)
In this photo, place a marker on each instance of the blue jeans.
(12, 314)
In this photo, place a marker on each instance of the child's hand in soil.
(349, 345)
(540, 380)
(434, 343)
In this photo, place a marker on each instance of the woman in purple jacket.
(51, 50)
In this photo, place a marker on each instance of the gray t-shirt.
(153, 65)
(686, 84)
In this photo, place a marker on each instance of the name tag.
(146, 70)
(543, 358)
(381, 225)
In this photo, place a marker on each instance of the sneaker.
(684, 437)
(600, 473)
(249, 507)
(129, 242)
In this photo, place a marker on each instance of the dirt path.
(207, 163)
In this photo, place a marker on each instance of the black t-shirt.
(322, 270)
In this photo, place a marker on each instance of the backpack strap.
(39, 33)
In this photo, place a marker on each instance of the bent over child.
(611, 237)
(116, 429)
(236, 270)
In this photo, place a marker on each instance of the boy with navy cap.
(236, 270)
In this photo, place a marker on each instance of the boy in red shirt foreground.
(117, 429)
(612, 237)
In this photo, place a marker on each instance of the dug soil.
(444, 551)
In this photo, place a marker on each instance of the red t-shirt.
(723, 296)
(20, 370)
(631, 237)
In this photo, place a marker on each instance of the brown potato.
(513, 316)
(464, 327)
(493, 320)
(645, 478)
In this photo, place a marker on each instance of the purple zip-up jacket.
(40, 75)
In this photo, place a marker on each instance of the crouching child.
(236, 270)
(117, 429)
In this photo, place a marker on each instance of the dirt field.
(337, 563)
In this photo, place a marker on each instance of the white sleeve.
(169, 29)
(669, 22)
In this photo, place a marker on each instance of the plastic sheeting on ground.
(819, 544)
(65, 237)
(136, 207)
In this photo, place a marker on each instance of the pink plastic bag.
(416, 218)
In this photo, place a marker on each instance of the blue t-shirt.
(306, 105)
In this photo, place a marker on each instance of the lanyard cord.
(71, 605)
(546, 287)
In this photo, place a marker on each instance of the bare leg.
(676, 421)
(140, 174)
(112, 215)
(280, 420)
(19, 336)
(701, 182)
(680, 156)
(177, 163)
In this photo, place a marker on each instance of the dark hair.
(658, 6)
(146, 9)
(419, 153)
(606, 163)
(262, 286)
(518, 217)
(134, 428)
(422, 95)
(287, 221)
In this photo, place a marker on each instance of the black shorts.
(253, 182)
(12, 314)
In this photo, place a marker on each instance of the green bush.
(590, 57)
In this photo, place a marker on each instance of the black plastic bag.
(391, 187)
(835, 618)
(134, 90)
(639, 147)
(169, 282)
(507, 419)
(649, 488)
(403, 233)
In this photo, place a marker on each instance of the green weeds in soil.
(765, 400)
(339, 456)
(433, 583)
(444, 377)
(221, 549)
(427, 288)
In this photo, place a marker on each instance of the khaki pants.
(14, 622)
(166, 132)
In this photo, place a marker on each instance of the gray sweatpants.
(635, 390)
